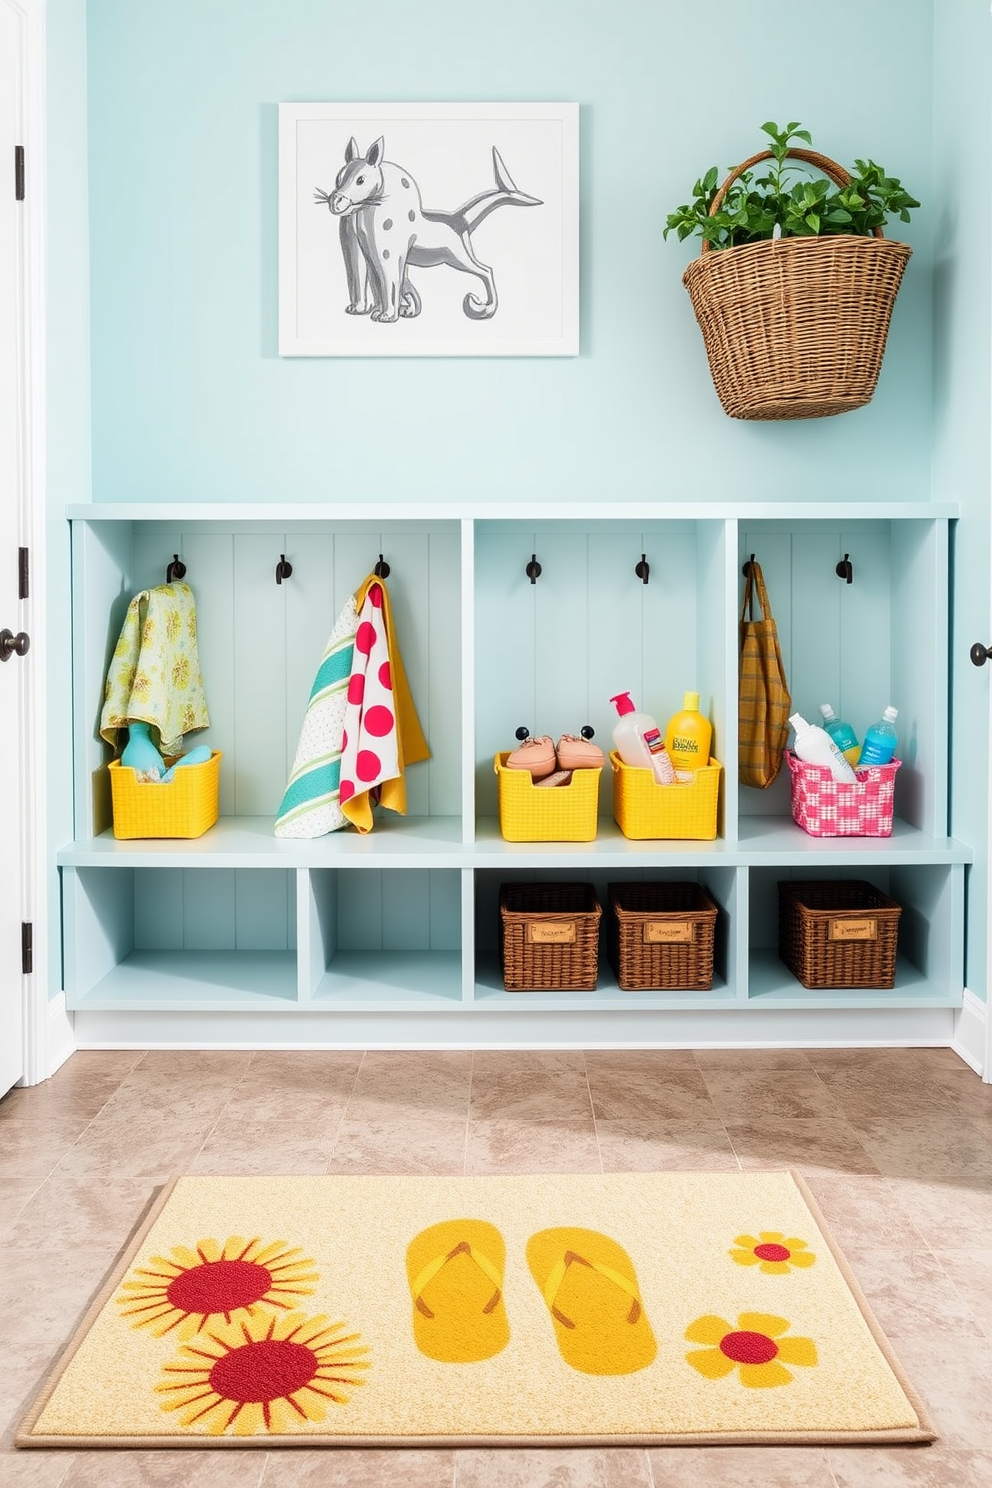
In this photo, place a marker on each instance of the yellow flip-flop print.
(455, 1271)
(590, 1287)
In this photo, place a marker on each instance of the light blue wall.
(962, 400)
(190, 399)
(173, 174)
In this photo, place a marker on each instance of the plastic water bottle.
(842, 734)
(880, 740)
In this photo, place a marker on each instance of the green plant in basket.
(786, 201)
(794, 285)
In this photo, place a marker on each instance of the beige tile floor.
(896, 1145)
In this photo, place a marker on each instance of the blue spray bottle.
(880, 740)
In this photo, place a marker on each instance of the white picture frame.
(390, 238)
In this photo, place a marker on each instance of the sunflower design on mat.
(757, 1347)
(215, 1281)
(264, 1374)
(772, 1252)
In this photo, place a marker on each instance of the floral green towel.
(154, 675)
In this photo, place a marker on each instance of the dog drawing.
(385, 230)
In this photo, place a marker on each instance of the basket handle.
(830, 168)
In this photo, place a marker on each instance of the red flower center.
(748, 1348)
(219, 1286)
(771, 1252)
(265, 1370)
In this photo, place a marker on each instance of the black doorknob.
(980, 654)
(13, 645)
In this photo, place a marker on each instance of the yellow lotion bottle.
(689, 735)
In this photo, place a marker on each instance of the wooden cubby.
(391, 938)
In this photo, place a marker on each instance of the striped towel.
(311, 804)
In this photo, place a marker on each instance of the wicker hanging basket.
(795, 327)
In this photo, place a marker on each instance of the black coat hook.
(533, 569)
(381, 569)
(642, 569)
(746, 570)
(175, 570)
(522, 733)
(283, 569)
(587, 731)
(844, 569)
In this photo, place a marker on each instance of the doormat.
(629, 1309)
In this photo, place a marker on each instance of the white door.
(13, 610)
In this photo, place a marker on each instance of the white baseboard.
(964, 1032)
(60, 1041)
(970, 1031)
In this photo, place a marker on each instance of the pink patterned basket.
(825, 807)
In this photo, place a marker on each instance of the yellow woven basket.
(553, 813)
(643, 808)
(184, 806)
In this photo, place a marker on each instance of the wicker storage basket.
(825, 807)
(184, 806)
(549, 936)
(795, 327)
(660, 935)
(838, 934)
(547, 813)
(643, 808)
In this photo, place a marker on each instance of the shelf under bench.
(426, 842)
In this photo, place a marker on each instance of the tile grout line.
(218, 1114)
(344, 1114)
(722, 1119)
(468, 1115)
(592, 1110)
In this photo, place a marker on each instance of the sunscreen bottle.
(842, 734)
(688, 735)
(815, 746)
(638, 741)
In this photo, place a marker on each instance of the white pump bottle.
(639, 741)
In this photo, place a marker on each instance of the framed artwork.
(428, 229)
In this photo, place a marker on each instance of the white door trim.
(34, 853)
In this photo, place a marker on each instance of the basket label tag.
(555, 932)
(659, 932)
(866, 929)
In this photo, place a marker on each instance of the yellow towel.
(154, 675)
(411, 746)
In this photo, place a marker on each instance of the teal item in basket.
(881, 740)
(140, 753)
(197, 756)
